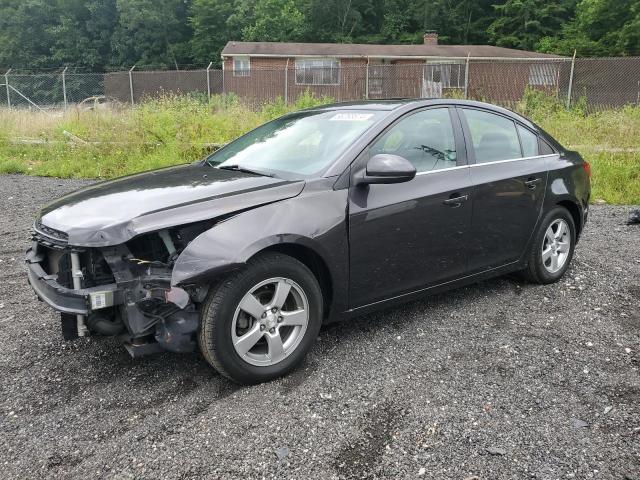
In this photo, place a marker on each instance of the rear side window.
(493, 137)
(529, 142)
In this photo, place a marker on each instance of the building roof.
(281, 49)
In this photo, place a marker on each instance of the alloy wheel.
(556, 246)
(270, 321)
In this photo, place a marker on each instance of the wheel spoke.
(562, 228)
(276, 349)
(297, 317)
(263, 344)
(546, 254)
(246, 342)
(549, 235)
(281, 294)
(252, 306)
(563, 247)
(554, 262)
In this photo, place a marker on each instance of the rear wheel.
(552, 247)
(261, 321)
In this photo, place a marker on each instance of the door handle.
(532, 183)
(456, 201)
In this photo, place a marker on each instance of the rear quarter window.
(544, 148)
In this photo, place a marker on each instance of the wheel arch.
(313, 261)
(575, 212)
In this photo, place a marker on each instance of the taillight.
(587, 168)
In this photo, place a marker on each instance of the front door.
(407, 236)
(378, 78)
(509, 178)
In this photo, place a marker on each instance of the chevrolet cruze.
(313, 217)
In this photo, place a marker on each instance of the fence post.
(223, 75)
(366, 82)
(64, 87)
(286, 83)
(131, 83)
(573, 64)
(466, 77)
(208, 80)
(6, 81)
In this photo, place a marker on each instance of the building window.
(448, 73)
(317, 71)
(241, 66)
(543, 74)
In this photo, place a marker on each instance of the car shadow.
(400, 316)
(103, 362)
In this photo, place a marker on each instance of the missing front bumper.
(67, 300)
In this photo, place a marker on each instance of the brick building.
(264, 70)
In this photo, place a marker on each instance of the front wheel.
(552, 247)
(261, 321)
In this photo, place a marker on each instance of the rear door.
(406, 236)
(509, 180)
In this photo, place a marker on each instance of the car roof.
(410, 103)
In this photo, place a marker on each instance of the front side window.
(298, 145)
(317, 71)
(493, 137)
(425, 138)
(241, 66)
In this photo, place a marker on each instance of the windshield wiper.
(238, 168)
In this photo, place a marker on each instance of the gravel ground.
(500, 380)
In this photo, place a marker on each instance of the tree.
(522, 23)
(600, 27)
(212, 29)
(26, 28)
(460, 22)
(275, 21)
(82, 37)
(337, 20)
(151, 32)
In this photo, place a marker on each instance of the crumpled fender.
(316, 220)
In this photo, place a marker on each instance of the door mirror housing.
(386, 168)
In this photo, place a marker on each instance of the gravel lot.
(500, 380)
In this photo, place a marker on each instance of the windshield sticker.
(351, 117)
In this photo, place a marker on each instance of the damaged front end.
(123, 290)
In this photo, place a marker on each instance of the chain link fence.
(597, 83)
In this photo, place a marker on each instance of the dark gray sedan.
(316, 216)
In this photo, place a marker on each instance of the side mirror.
(385, 168)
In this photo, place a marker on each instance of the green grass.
(609, 140)
(106, 144)
(173, 130)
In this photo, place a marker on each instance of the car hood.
(113, 212)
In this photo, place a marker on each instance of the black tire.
(536, 272)
(216, 317)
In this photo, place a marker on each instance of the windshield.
(302, 143)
